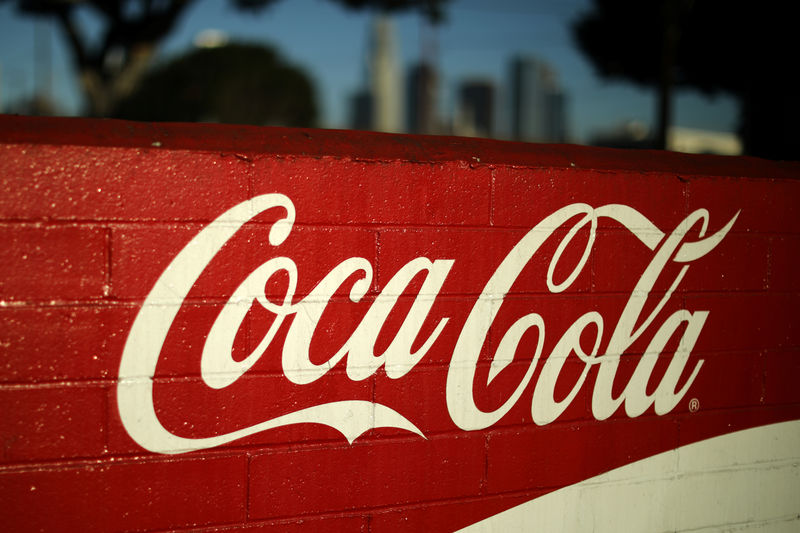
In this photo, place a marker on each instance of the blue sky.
(328, 41)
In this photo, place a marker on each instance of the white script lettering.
(353, 417)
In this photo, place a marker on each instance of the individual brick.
(538, 458)
(52, 422)
(63, 182)
(745, 321)
(429, 382)
(739, 263)
(781, 369)
(125, 495)
(726, 381)
(432, 416)
(444, 516)
(188, 407)
(618, 261)
(182, 350)
(141, 253)
(40, 262)
(478, 253)
(784, 258)
(525, 196)
(341, 191)
(764, 205)
(301, 524)
(53, 343)
(704, 424)
(365, 475)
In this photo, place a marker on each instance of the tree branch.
(64, 17)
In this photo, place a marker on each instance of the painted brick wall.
(93, 213)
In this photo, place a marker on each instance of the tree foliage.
(236, 83)
(740, 48)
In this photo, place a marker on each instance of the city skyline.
(529, 105)
(328, 41)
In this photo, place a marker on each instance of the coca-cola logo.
(688, 242)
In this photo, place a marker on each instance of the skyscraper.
(361, 110)
(538, 104)
(384, 78)
(378, 105)
(421, 106)
(475, 115)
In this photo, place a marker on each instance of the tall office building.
(538, 104)
(361, 110)
(384, 78)
(378, 105)
(421, 106)
(475, 114)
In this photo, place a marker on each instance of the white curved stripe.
(743, 481)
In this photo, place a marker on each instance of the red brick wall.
(93, 212)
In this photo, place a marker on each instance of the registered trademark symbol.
(694, 405)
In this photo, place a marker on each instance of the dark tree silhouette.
(110, 67)
(740, 48)
(237, 83)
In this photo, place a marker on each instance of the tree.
(236, 83)
(110, 68)
(734, 47)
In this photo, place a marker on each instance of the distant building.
(538, 104)
(555, 117)
(635, 134)
(385, 79)
(378, 106)
(475, 114)
(694, 141)
(361, 110)
(625, 135)
(422, 115)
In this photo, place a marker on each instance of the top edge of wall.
(257, 141)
